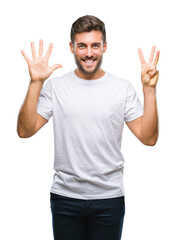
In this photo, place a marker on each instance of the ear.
(105, 47)
(71, 47)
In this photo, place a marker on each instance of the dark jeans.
(76, 219)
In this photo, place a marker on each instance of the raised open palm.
(149, 74)
(38, 67)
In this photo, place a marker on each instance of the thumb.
(54, 67)
(154, 80)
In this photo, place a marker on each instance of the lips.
(89, 61)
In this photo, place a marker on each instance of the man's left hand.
(149, 74)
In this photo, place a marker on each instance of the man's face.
(88, 51)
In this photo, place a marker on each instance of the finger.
(146, 78)
(154, 80)
(40, 47)
(147, 68)
(141, 56)
(152, 73)
(152, 54)
(156, 58)
(54, 67)
(26, 57)
(33, 50)
(48, 53)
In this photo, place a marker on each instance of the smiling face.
(88, 51)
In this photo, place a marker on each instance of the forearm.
(28, 112)
(149, 124)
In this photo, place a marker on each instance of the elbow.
(150, 144)
(151, 141)
(22, 133)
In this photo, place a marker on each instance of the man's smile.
(89, 62)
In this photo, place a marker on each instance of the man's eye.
(81, 46)
(96, 46)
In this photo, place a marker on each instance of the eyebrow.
(97, 43)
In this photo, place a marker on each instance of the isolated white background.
(26, 164)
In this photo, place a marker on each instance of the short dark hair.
(87, 23)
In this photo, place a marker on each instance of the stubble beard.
(81, 68)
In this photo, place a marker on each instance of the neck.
(89, 76)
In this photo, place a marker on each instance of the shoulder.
(123, 83)
(56, 81)
(60, 79)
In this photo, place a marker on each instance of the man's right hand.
(38, 67)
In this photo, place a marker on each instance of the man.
(89, 107)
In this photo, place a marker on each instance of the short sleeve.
(133, 107)
(44, 107)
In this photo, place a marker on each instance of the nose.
(89, 52)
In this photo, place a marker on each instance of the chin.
(90, 72)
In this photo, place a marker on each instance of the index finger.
(141, 56)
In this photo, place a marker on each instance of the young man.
(89, 107)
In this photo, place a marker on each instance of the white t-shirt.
(88, 119)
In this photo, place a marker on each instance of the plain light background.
(26, 164)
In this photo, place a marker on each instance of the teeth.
(89, 61)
